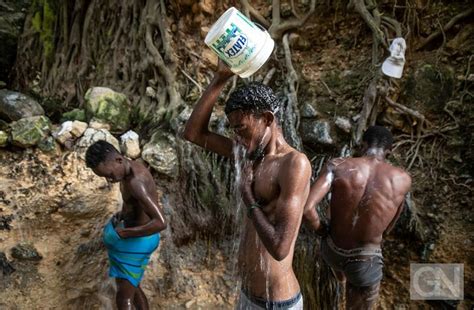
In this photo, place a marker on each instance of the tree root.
(446, 27)
(278, 28)
(253, 12)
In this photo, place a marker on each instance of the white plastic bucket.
(241, 44)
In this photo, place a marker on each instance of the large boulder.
(92, 135)
(30, 131)
(104, 104)
(161, 155)
(14, 106)
(316, 132)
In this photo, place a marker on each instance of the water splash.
(239, 155)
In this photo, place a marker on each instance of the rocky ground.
(52, 211)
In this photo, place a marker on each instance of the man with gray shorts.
(367, 196)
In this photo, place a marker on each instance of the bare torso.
(366, 195)
(261, 274)
(132, 213)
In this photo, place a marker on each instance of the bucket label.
(232, 43)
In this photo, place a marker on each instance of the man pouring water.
(275, 177)
(274, 187)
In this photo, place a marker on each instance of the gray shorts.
(361, 266)
(247, 302)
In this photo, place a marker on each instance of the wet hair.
(378, 136)
(254, 97)
(98, 153)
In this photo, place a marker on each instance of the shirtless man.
(367, 196)
(274, 186)
(131, 235)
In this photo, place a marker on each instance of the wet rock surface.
(161, 155)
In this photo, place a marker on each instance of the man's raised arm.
(197, 126)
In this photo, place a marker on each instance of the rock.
(178, 122)
(98, 124)
(5, 267)
(47, 145)
(130, 144)
(64, 132)
(189, 303)
(204, 31)
(207, 6)
(29, 131)
(74, 115)
(161, 155)
(316, 132)
(78, 128)
(3, 84)
(150, 92)
(344, 124)
(3, 138)
(108, 106)
(307, 111)
(26, 251)
(92, 135)
(15, 106)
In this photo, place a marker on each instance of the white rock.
(78, 128)
(64, 133)
(130, 144)
(92, 135)
(344, 124)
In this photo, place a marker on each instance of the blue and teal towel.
(128, 257)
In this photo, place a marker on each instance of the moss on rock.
(109, 106)
(30, 131)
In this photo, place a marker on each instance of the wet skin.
(367, 196)
(141, 214)
(278, 180)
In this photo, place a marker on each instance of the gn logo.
(436, 281)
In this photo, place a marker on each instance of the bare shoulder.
(142, 178)
(337, 162)
(295, 164)
(398, 176)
